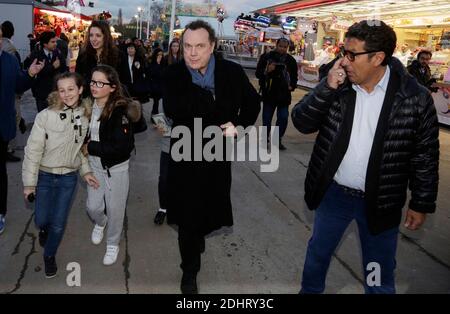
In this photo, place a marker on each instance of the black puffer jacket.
(405, 148)
(116, 135)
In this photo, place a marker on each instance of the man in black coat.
(378, 132)
(218, 93)
(421, 70)
(54, 62)
(277, 74)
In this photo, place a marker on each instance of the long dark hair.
(170, 56)
(110, 54)
(117, 97)
(154, 57)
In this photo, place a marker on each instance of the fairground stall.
(419, 25)
(256, 35)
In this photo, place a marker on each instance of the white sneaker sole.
(109, 263)
(95, 242)
(52, 276)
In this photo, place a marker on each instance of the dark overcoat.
(200, 190)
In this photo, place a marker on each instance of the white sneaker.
(97, 234)
(111, 255)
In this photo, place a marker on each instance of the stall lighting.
(58, 14)
(305, 5)
(414, 10)
(361, 8)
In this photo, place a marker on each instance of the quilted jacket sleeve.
(424, 175)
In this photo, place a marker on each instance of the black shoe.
(50, 266)
(43, 234)
(11, 158)
(159, 218)
(22, 126)
(189, 283)
(202, 246)
(282, 147)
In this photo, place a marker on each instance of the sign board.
(197, 8)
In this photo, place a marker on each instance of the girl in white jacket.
(52, 159)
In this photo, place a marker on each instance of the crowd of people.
(377, 133)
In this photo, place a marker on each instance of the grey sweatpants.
(113, 192)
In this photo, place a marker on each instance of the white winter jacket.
(54, 144)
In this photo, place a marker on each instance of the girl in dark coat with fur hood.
(109, 146)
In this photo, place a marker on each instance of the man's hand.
(28, 190)
(160, 129)
(229, 129)
(56, 64)
(337, 75)
(91, 180)
(35, 68)
(270, 67)
(414, 220)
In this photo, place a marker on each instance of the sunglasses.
(352, 55)
(99, 84)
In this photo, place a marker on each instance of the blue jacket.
(12, 81)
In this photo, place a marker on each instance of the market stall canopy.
(359, 9)
(85, 11)
(41, 6)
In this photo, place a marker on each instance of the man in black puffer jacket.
(378, 132)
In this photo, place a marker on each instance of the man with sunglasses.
(378, 133)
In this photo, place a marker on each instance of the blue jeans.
(54, 193)
(282, 117)
(336, 211)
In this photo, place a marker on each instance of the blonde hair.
(54, 101)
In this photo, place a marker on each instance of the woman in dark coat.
(134, 74)
(156, 68)
(99, 49)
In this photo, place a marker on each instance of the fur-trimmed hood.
(133, 108)
(8, 46)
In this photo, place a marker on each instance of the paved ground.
(264, 254)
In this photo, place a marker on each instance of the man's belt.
(350, 191)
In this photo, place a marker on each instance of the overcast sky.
(232, 7)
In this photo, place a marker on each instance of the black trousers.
(155, 108)
(192, 245)
(163, 190)
(3, 177)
